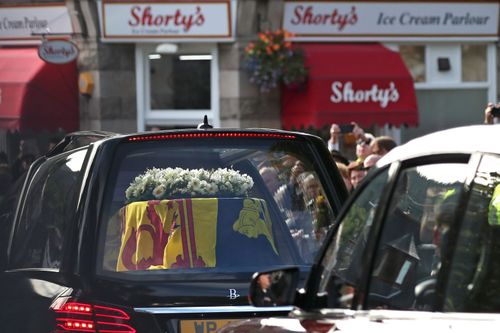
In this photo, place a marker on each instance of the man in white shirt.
(334, 140)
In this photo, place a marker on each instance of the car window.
(49, 207)
(229, 205)
(474, 273)
(414, 233)
(8, 207)
(343, 256)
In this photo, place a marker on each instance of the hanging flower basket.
(271, 60)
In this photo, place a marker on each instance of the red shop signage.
(365, 83)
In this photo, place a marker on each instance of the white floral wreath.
(170, 183)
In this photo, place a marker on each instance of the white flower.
(159, 191)
(195, 184)
(174, 182)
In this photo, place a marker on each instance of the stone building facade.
(121, 74)
(113, 104)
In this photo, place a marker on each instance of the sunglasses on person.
(364, 142)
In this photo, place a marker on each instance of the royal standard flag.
(245, 236)
(168, 234)
(196, 233)
(193, 234)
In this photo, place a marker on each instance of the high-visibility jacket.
(494, 207)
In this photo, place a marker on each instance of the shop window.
(414, 58)
(445, 108)
(474, 63)
(180, 81)
(177, 85)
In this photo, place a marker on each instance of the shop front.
(38, 99)
(176, 56)
(399, 68)
(366, 83)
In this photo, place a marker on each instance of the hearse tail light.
(76, 317)
(153, 137)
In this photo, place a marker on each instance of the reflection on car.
(160, 231)
(419, 239)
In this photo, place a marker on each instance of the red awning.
(36, 95)
(365, 83)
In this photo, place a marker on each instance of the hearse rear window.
(212, 205)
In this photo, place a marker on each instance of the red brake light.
(107, 312)
(72, 325)
(152, 137)
(77, 308)
(84, 317)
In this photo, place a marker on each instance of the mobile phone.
(495, 111)
(346, 128)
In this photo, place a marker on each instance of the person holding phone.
(491, 113)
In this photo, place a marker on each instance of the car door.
(387, 239)
(469, 278)
(451, 263)
(340, 266)
(425, 206)
(34, 271)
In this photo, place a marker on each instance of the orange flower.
(272, 49)
(263, 38)
(250, 48)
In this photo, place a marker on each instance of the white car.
(416, 247)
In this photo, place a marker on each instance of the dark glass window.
(49, 207)
(474, 278)
(343, 257)
(8, 207)
(415, 230)
(213, 205)
(180, 81)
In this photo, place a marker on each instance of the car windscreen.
(223, 205)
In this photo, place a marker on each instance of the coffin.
(195, 233)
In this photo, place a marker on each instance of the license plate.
(203, 326)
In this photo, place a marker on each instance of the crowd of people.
(369, 149)
(299, 195)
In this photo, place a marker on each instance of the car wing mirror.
(274, 288)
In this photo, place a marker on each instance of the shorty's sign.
(167, 20)
(390, 20)
(28, 22)
(362, 82)
(58, 51)
(346, 93)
